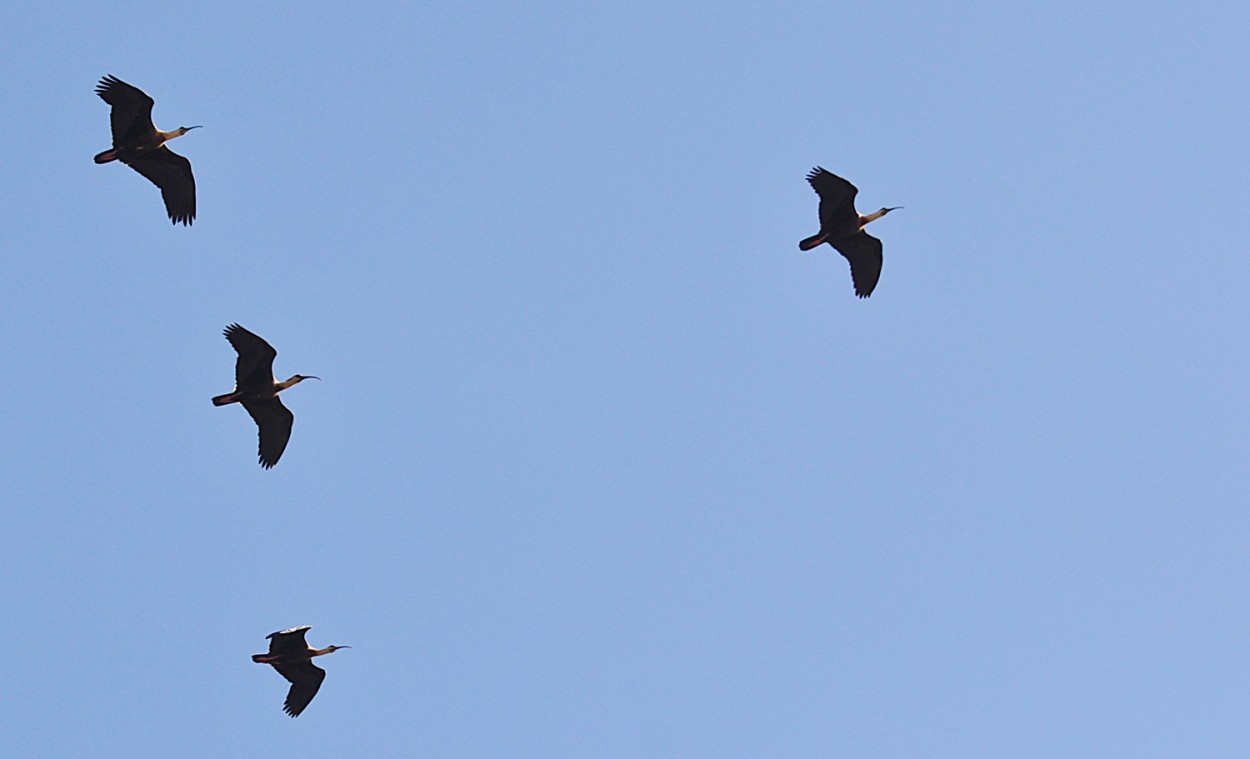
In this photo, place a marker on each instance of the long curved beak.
(309, 376)
(197, 126)
(895, 208)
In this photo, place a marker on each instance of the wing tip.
(107, 82)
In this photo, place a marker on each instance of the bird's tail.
(811, 242)
(222, 400)
(106, 156)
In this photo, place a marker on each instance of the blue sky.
(600, 464)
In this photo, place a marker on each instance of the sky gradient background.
(601, 465)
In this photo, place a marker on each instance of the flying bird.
(843, 228)
(255, 388)
(291, 655)
(141, 146)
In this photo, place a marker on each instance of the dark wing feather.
(274, 421)
(305, 678)
(172, 173)
(131, 117)
(837, 200)
(254, 369)
(290, 641)
(864, 252)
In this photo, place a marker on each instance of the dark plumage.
(842, 227)
(141, 146)
(292, 657)
(256, 390)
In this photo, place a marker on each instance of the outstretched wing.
(864, 252)
(172, 173)
(254, 369)
(131, 117)
(290, 641)
(305, 678)
(837, 200)
(274, 421)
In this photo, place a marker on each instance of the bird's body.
(292, 657)
(256, 390)
(843, 228)
(141, 146)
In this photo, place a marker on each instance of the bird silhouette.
(141, 146)
(256, 390)
(291, 655)
(843, 228)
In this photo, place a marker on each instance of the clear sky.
(601, 465)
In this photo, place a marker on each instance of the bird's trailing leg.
(812, 241)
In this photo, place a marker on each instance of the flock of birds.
(141, 146)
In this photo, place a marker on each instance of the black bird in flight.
(255, 388)
(291, 655)
(843, 228)
(141, 146)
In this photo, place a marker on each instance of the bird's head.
(323, 651)
(298, 378)
(884, 211)
(184, 130)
